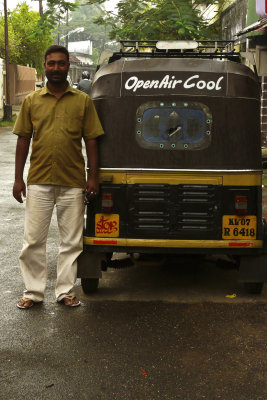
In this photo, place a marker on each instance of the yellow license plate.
(107, 225)
(244, 227)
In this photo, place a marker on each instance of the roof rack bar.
(184, 54)
(219, 49)
(198, 41)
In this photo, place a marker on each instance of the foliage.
(55, 9)
(158, 19)
(83, 17)
(26, 45)
(14, 44)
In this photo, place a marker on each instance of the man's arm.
(22, 151)
(91, 187)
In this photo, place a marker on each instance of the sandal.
(25, 303)
(70, 301)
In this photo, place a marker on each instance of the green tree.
(55, 10)
(83, 17)
(158, 19)
(26, 43)
(14, 45)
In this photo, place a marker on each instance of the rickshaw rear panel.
(180, 161)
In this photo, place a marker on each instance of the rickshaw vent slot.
(195, 220)
(152, 226)
(143, 193)
(194, 227)
(150, 213)
(195, 200)
(192, 214)
(159, 199)
(196, 193)
(152, 186)
(150, 220)
(196, 186)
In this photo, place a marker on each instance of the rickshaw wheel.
(89, 285)
(253, 287)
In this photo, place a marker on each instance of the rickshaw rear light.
(107, 203)
(241, 205)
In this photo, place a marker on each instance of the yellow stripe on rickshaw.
(165, 243)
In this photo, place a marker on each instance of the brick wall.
(264, 110)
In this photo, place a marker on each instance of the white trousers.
(40, 203)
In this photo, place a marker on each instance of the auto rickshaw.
(180, 161)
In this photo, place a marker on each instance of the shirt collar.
(45, 90)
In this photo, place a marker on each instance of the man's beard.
(57, 78)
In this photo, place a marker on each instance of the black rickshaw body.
(180, 162)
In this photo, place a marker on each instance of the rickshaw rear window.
(175, 126)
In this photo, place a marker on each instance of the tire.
(253, 287)
(89, 285)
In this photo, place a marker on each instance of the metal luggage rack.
(220, 49)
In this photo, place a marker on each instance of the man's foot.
(70, 301)
(25, 303)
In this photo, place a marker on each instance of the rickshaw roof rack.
(220, 49)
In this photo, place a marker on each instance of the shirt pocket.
(74, 125)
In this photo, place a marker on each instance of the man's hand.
(19, 189)
(22, 149)
(91, 187)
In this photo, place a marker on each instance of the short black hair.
(57, 49)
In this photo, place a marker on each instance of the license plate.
(107, 225)
(244, 227)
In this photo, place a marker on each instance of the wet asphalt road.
(155, 332)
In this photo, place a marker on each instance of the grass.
(8, 123)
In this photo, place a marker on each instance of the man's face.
(56, 67)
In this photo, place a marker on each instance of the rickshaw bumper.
(252, 265)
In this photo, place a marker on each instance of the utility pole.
(41, 11)
(67, 30)
(7, 106)
(58, 33)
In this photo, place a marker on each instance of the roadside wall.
(1, 82)
(21, 82)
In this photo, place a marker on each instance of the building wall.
(209, 12)
(233, 19)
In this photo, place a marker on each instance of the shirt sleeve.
(92, 127)
(23, 125)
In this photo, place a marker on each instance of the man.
(56, 118)
(85, 84)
